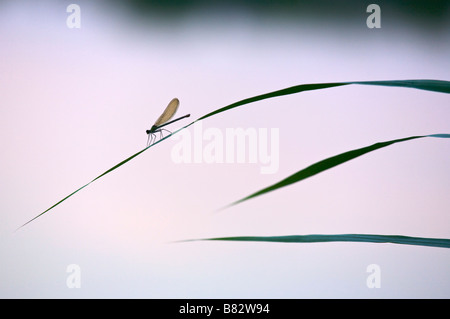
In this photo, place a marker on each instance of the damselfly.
(168, 113)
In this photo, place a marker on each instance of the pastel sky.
(75, 102)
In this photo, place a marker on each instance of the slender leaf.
(101, 175)
(429, 85)
(362, 238)
(287, 91)
(328, 163)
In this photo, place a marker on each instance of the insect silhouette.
(168, 113)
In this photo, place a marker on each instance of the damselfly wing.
(168, 113)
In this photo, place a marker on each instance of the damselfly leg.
(152, 136)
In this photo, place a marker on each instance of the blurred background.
(76, 101)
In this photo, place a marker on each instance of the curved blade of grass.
(328, 163)
(362, 238)
(101, 175)
(429, 85)
(287, 91)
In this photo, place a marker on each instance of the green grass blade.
(287, 91)
(53, 205)
(430, 85)
(328, 163)
(104, 173)
(362, 238)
